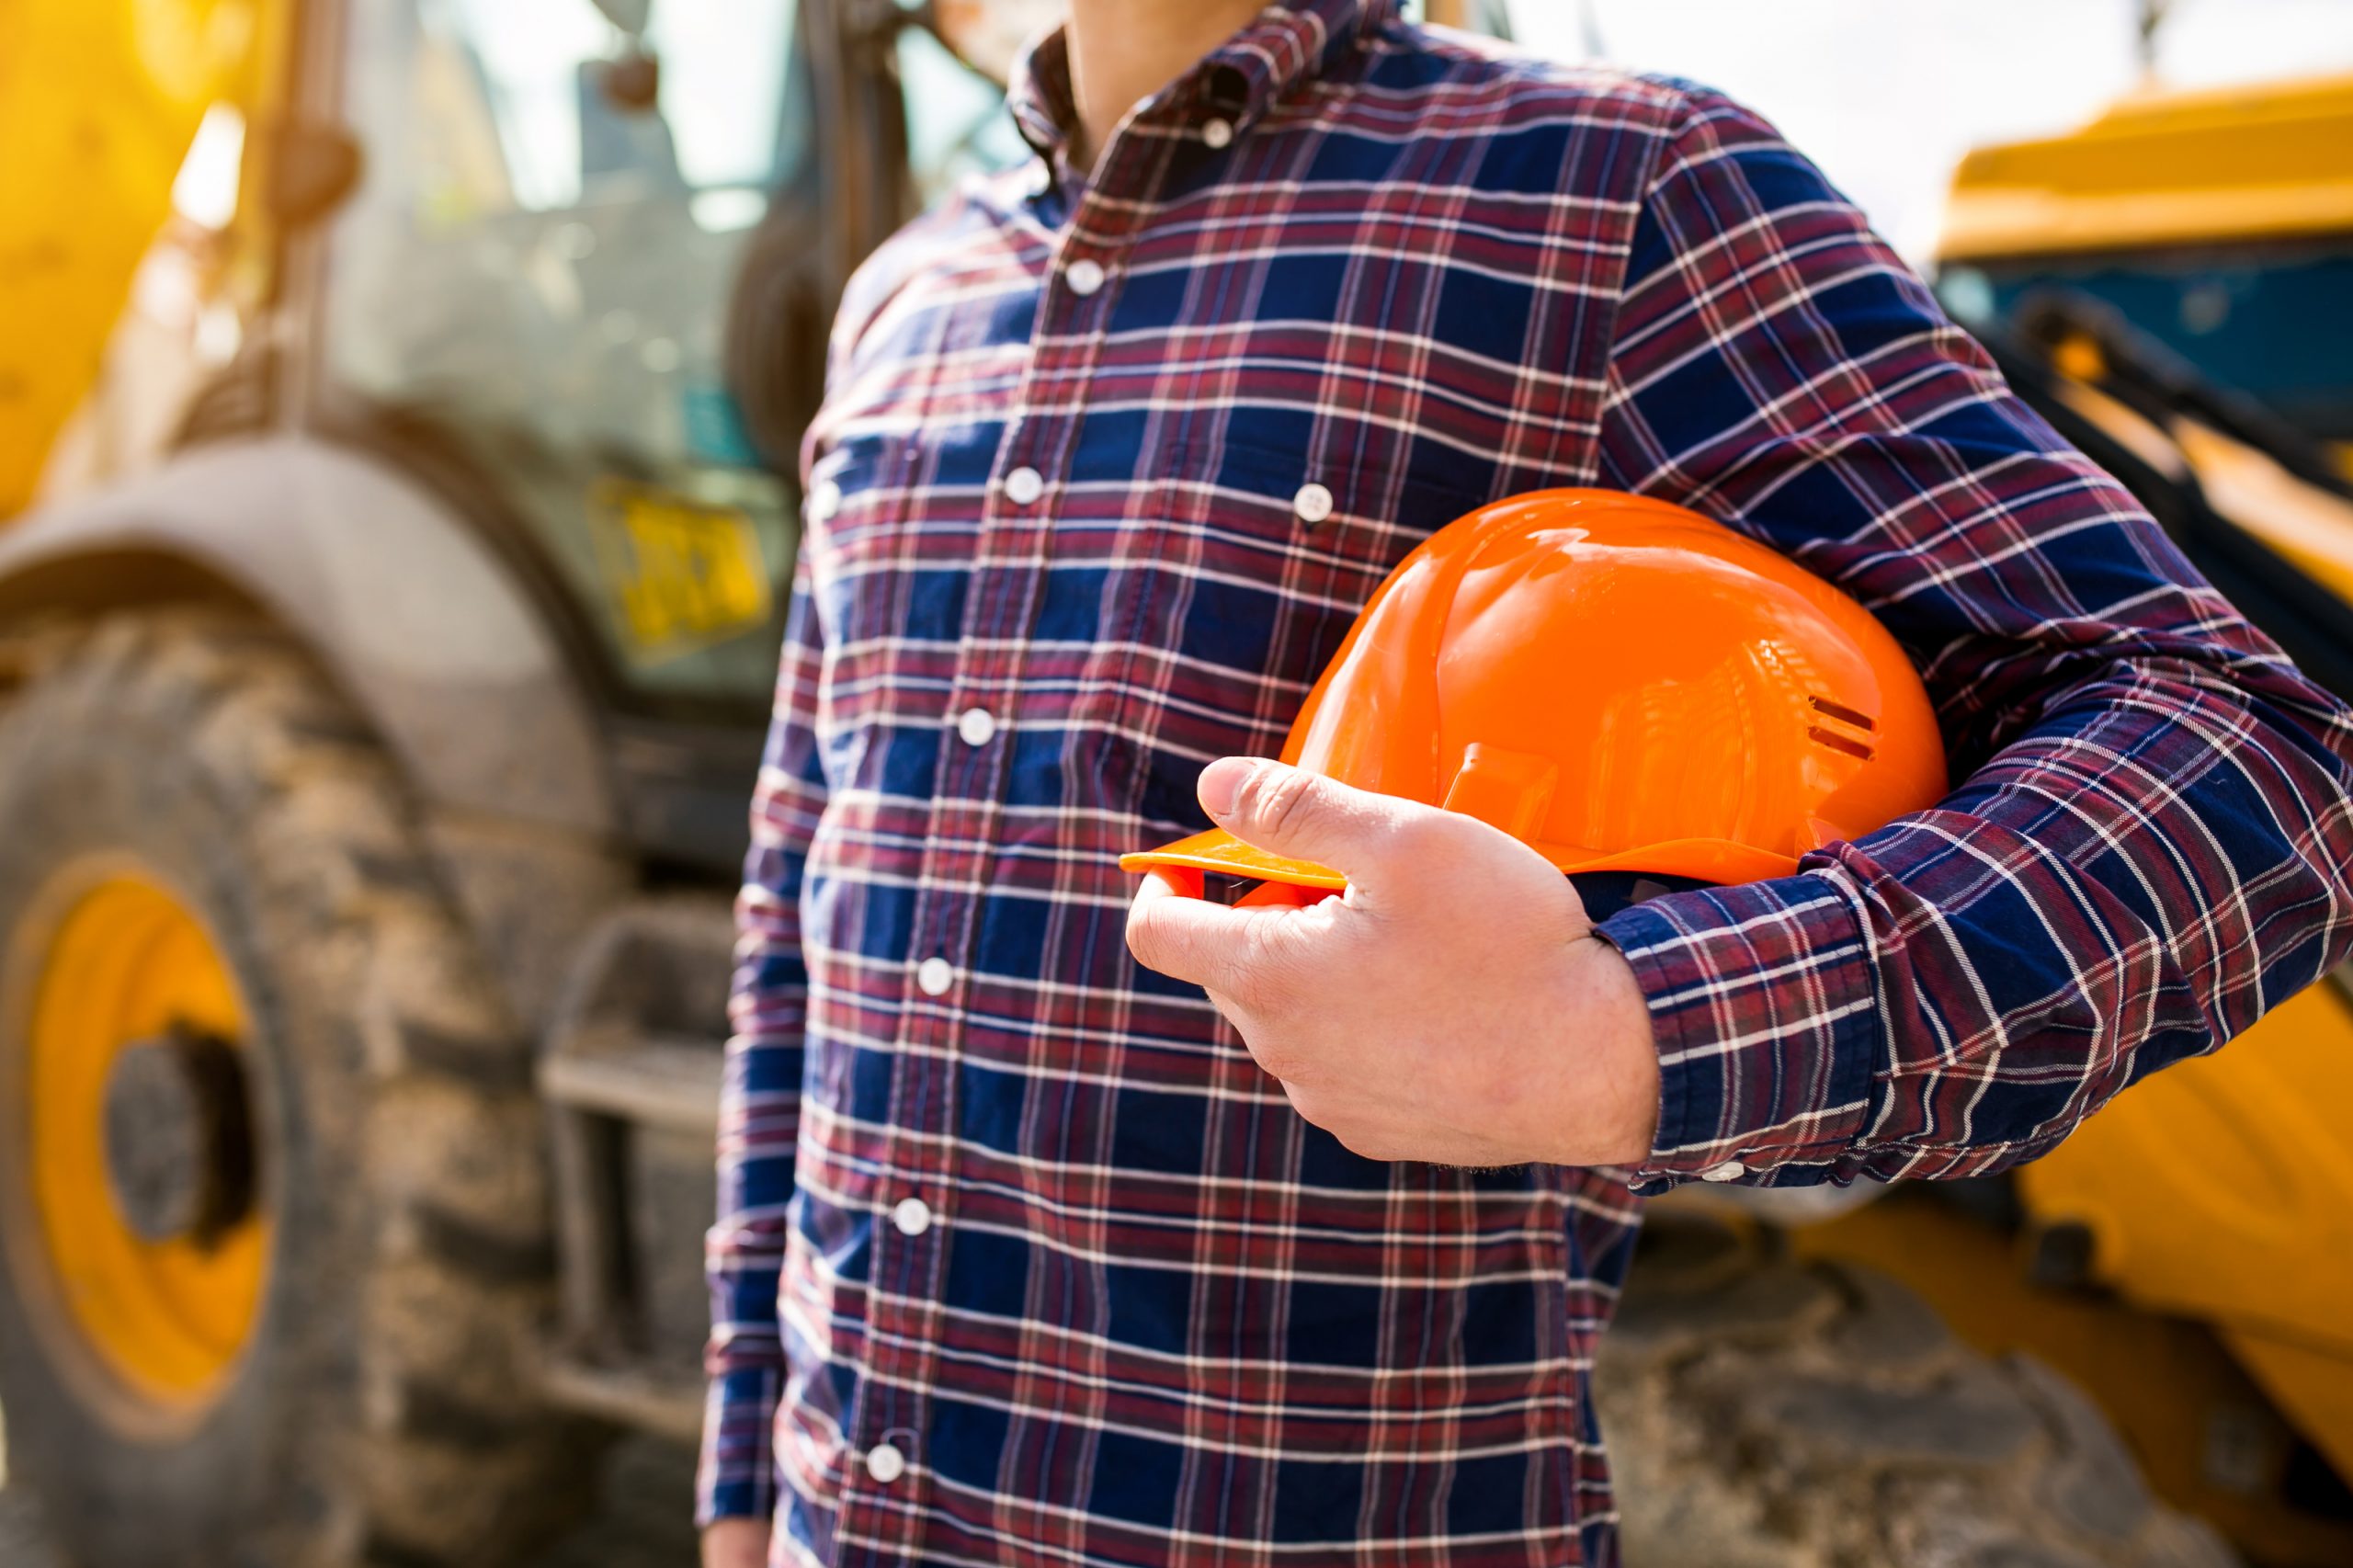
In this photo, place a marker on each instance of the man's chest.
(1200, 368)
(1145, 473)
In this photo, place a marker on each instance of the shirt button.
(1086, 276)
(1731, 1170)
(1024, 486)
(1218, 133)
(977, 726)
(1312, 503)
(912, 1216)
(825, 501)
(934, 976)
(885, 1462)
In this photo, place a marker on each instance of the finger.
(1288, 810)
(1212, 945)
(1231, 1011)
(1257, 1037)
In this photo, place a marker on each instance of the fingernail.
(1221, 783)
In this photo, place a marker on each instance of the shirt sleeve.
(759, 1115)
(2150, 839)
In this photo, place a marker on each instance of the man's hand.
(1455, 1007)
(735, 1543)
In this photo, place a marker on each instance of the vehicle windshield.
(537, 264)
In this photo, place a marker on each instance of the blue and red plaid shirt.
(1022, 1259)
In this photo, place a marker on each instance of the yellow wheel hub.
(127, 964)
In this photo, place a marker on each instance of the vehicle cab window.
(536, 268)
(956, 121)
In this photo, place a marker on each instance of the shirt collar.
(1286, 44)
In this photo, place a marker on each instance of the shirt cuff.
(737, 1478)
(1763, 1003)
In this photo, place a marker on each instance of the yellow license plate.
(682, 574)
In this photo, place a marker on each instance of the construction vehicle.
(2216, 222)
(387, 622)
(397, 401)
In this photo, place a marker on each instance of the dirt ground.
(643, 1523)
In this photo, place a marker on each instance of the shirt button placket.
(1014, 526)
(901, 1262)
(945, 913)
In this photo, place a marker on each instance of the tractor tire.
(374, 1402)
(1764, 1413)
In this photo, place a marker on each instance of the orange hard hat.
(1622, 685)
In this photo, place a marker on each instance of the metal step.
(631, 1075)
(656, 1082)
(663, 1406)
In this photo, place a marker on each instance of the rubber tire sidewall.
(234, 1488)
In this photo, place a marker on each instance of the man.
(1075, 1269)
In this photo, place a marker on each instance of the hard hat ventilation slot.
(1844, 714)
(1839, 713)
(1837, 742)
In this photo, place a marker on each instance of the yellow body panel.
(2267, 162)
(2311, 528)
(2309, 525)
(98, 102)
(2222, 1188)
(2312, 1387)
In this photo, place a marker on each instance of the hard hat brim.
(1218, 850)
(1719, 861)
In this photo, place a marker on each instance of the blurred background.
(1887, 98)
(397, 408)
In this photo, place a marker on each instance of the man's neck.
(1122, 51)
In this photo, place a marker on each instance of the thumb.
(1290, 811)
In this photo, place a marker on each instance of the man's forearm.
(2128, 884)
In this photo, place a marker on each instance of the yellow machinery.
(389, 606)
(2219, 224)
(2230, 166)
(99, 100)
(2193, 1242)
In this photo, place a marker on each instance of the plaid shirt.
(1022, 1258)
